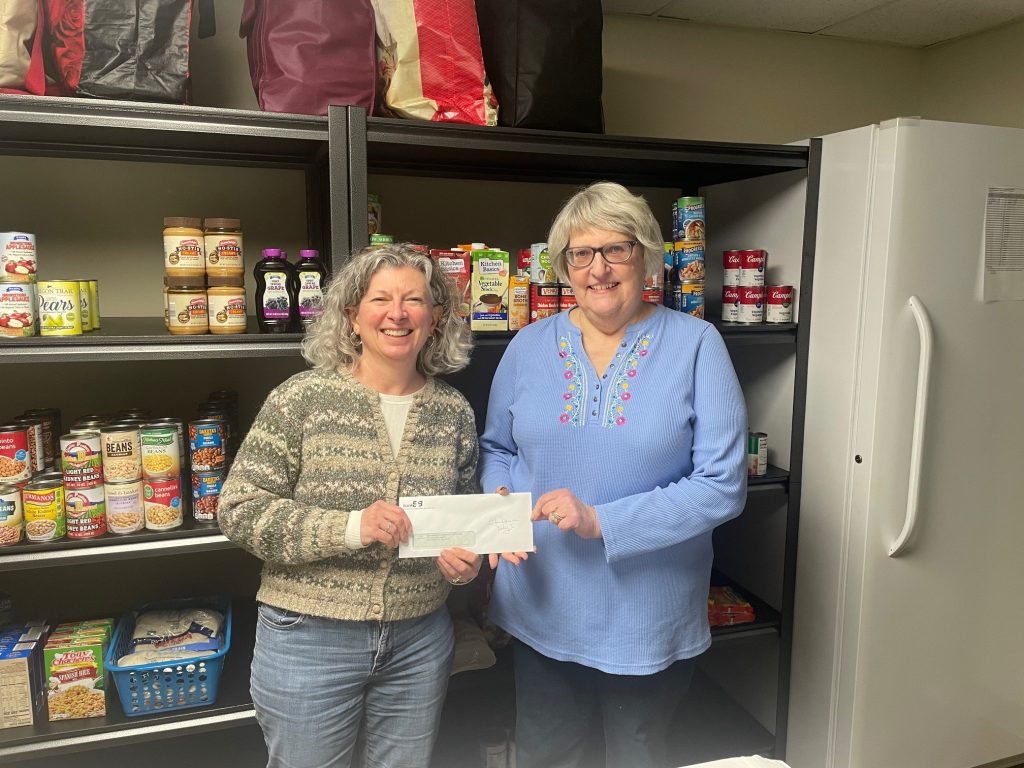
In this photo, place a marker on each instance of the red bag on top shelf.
(429, 62)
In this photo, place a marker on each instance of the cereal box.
(74, 678)
(489, 290)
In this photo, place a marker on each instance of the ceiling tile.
(926, 22)
(789, 15)
(642, 7)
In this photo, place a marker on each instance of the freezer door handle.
(924, 372)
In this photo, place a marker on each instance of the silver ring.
(389, 527)
(555, 518)
(457, 580)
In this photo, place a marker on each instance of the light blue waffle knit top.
(657, 443)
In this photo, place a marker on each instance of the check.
(482, 523)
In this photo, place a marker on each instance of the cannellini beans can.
(161, 501)
(730, 304)
(43, 507)
(751, 308)
(778, 304)
(124, 507)
(86, 511)
(11, 515)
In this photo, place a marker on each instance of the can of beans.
(778, 304)
(206, 487)
(51, 433)
(566, 297)
(757, 454)
(86, 511)
(751, 308)
(81, 460)
(691, 297)
(752, 266)
(124, 507)
(730, 304)
(206, 442)
(122, 452)
(11, 516)
(43, 507)
(15, 458)
(543, 301)
(36, 441)
(161, 501)
(731, 267)
(161, 458)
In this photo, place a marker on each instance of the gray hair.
(606, 205)
(331, 341)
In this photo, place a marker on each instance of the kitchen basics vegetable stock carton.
(489, 291)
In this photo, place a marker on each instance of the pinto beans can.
(751, 309)
(207, 443)
(778, 306)
(86, 511)
(206, 487)
(15, 453)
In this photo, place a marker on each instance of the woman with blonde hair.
(349, 637)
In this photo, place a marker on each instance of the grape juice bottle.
(310, 281)
(275, 292)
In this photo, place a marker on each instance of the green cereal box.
(74, 678)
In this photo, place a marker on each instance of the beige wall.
(979, 79)
(682, 80)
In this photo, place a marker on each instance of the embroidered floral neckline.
(616, 398)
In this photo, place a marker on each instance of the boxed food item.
(21, 681)
(489, 292)
(455, 264)
(75, 677)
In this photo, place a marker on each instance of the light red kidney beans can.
(543, 300)
(81, 460)
(751, 307)
(752, 267)
(778, 304)
(15, 453)
(566, 297)
(86, 512)
(730, 304)
(731, 267)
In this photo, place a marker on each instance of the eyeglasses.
(613, 253)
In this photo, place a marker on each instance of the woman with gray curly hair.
(350, 638)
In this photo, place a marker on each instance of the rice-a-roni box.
(75, 677)
(489, 281)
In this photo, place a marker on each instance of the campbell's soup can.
(731, 267)
(543, 300)
(691, 298)
(86, 512)
(81, 460)
(688, 261)
(161, 501)
(566, 297)
(124, 506)
(752, 267)
(778, 304)
(730, 304)
(43, 507)
(11, 516)
(751, 308)
(15, 453)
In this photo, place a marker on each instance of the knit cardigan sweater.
(319, 448)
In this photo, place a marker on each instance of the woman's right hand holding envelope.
(513, 557)
(386, 523)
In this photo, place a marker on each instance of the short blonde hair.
(332, 342)
(606, 205)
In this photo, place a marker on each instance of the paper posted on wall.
(1002, 249)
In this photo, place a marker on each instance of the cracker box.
(75, 678)
(489, 281)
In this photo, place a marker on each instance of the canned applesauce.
(11, 516)
(43, 507)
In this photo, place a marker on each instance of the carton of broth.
(489, 290)
(456, 264)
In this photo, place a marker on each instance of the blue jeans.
(558, 702)
(316, 682)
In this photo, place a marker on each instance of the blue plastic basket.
(145, 689)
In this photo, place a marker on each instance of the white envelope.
(482, 523)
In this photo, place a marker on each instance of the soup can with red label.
(752, 267)
(778, 304)
(731, 303)
(731, 267)
(543, 300)
(751, 307)
(566, 297)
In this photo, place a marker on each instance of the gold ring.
(389, 526)
(555, 518)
